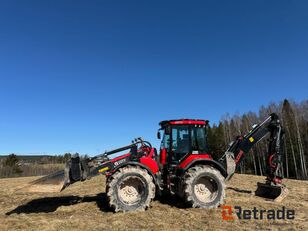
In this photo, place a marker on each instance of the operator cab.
(181, 138)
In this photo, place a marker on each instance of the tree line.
(294, 119)
(15, 166)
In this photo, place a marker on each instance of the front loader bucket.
(55, 182)
(76, 169)
(273, 192)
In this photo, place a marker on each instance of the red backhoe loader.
(183, 167)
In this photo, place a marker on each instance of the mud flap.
(273, 192)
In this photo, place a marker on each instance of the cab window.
(198, 137)
(180, 139)
(165, 143)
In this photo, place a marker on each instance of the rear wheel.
(130, 188)
(204, 187)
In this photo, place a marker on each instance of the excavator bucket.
(272, 192)
(55, 182)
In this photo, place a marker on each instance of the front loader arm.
(80, 169)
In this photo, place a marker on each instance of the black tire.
(130, 188)
(204, 187)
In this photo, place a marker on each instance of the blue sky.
(88, 76)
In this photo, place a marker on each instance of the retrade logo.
(255, 213)
(227, 213)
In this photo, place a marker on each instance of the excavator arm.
(239, 148)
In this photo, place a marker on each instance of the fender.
(210, 162)
(140, 165)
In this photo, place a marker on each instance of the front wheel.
(130, 188)
(204, 187)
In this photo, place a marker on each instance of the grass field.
(83, 206)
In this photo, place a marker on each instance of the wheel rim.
(131, 190)
(206, 189)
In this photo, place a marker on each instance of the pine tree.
(12, 162)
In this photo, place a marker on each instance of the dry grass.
(83, 207)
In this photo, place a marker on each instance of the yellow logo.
(251, 139)
(103, 169)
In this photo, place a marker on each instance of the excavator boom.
(238, 149)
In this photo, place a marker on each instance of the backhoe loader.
(183, 167)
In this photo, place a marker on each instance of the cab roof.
(183, 122)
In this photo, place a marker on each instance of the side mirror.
(158, 135)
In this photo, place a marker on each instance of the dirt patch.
(83, 206)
